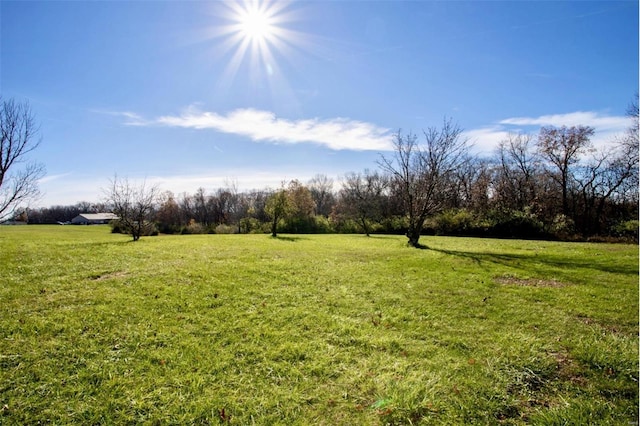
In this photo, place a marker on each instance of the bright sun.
(255, 24)
(257, 35)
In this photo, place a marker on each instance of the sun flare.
(255, 24)
(259, 41)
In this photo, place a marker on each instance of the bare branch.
(18, 132)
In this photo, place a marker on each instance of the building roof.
(97, 216)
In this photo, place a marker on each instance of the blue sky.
(191, 94)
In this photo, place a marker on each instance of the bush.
(627, 229)
(194, 228)
(250, 225)
(518, 224)
(322, 225)
(117, 227)
(226, 229)
(347, 226)
(562, 226)
(394, 225)
(148, 229)
(454, 222)
(165, 228)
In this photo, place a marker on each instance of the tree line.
(552, 184)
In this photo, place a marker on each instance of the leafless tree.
(18, 137)
(611, 176)
(423, 173)
(133, 204)
(473, 180)
(562, 147)
(518, 166)
(361, 197)
(321, 188)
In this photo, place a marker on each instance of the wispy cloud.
(607, 127)
(51, 178)
(265, 126)
(579, 118)
(132, 119)
(486, 139)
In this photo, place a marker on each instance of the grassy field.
(322, 329)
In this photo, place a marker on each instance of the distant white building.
(93, 218)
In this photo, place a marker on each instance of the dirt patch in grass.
(567, 369)
(107, 276)
(529, 282)
(605, 327)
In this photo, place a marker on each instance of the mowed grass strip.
(314, 329)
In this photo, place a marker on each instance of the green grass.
(322, 329)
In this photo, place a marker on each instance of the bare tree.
(611, 176)
(18, 137)
(133, 204)
(562, 147)
(321, 188)
(423, 173)
(361, 197)
(516, 172)
(203, 207)
(473, 180)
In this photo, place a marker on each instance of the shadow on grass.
(288, 238)
(96, 244)
(542, 263)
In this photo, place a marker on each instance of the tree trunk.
(364, 226)
(414, 236)
(274, 225)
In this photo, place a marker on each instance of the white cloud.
(265, 126)
(486, 139)
(51, 178)
(579, 118)
(133, 119)
(607, 127)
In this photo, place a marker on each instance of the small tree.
(278, 206)
(18, 132)
(168, 215)
(133, 205)
(302, 207)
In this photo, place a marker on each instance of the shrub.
(226, 229)
(347, 226)
(250, 225)
(454, 222)
(517, 224)
(628, 229)
(165, 228)
(194, 228)
(562, 226)
(148, 228)
(322, 225)
(394, 225)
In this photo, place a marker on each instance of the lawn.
(314, 329)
